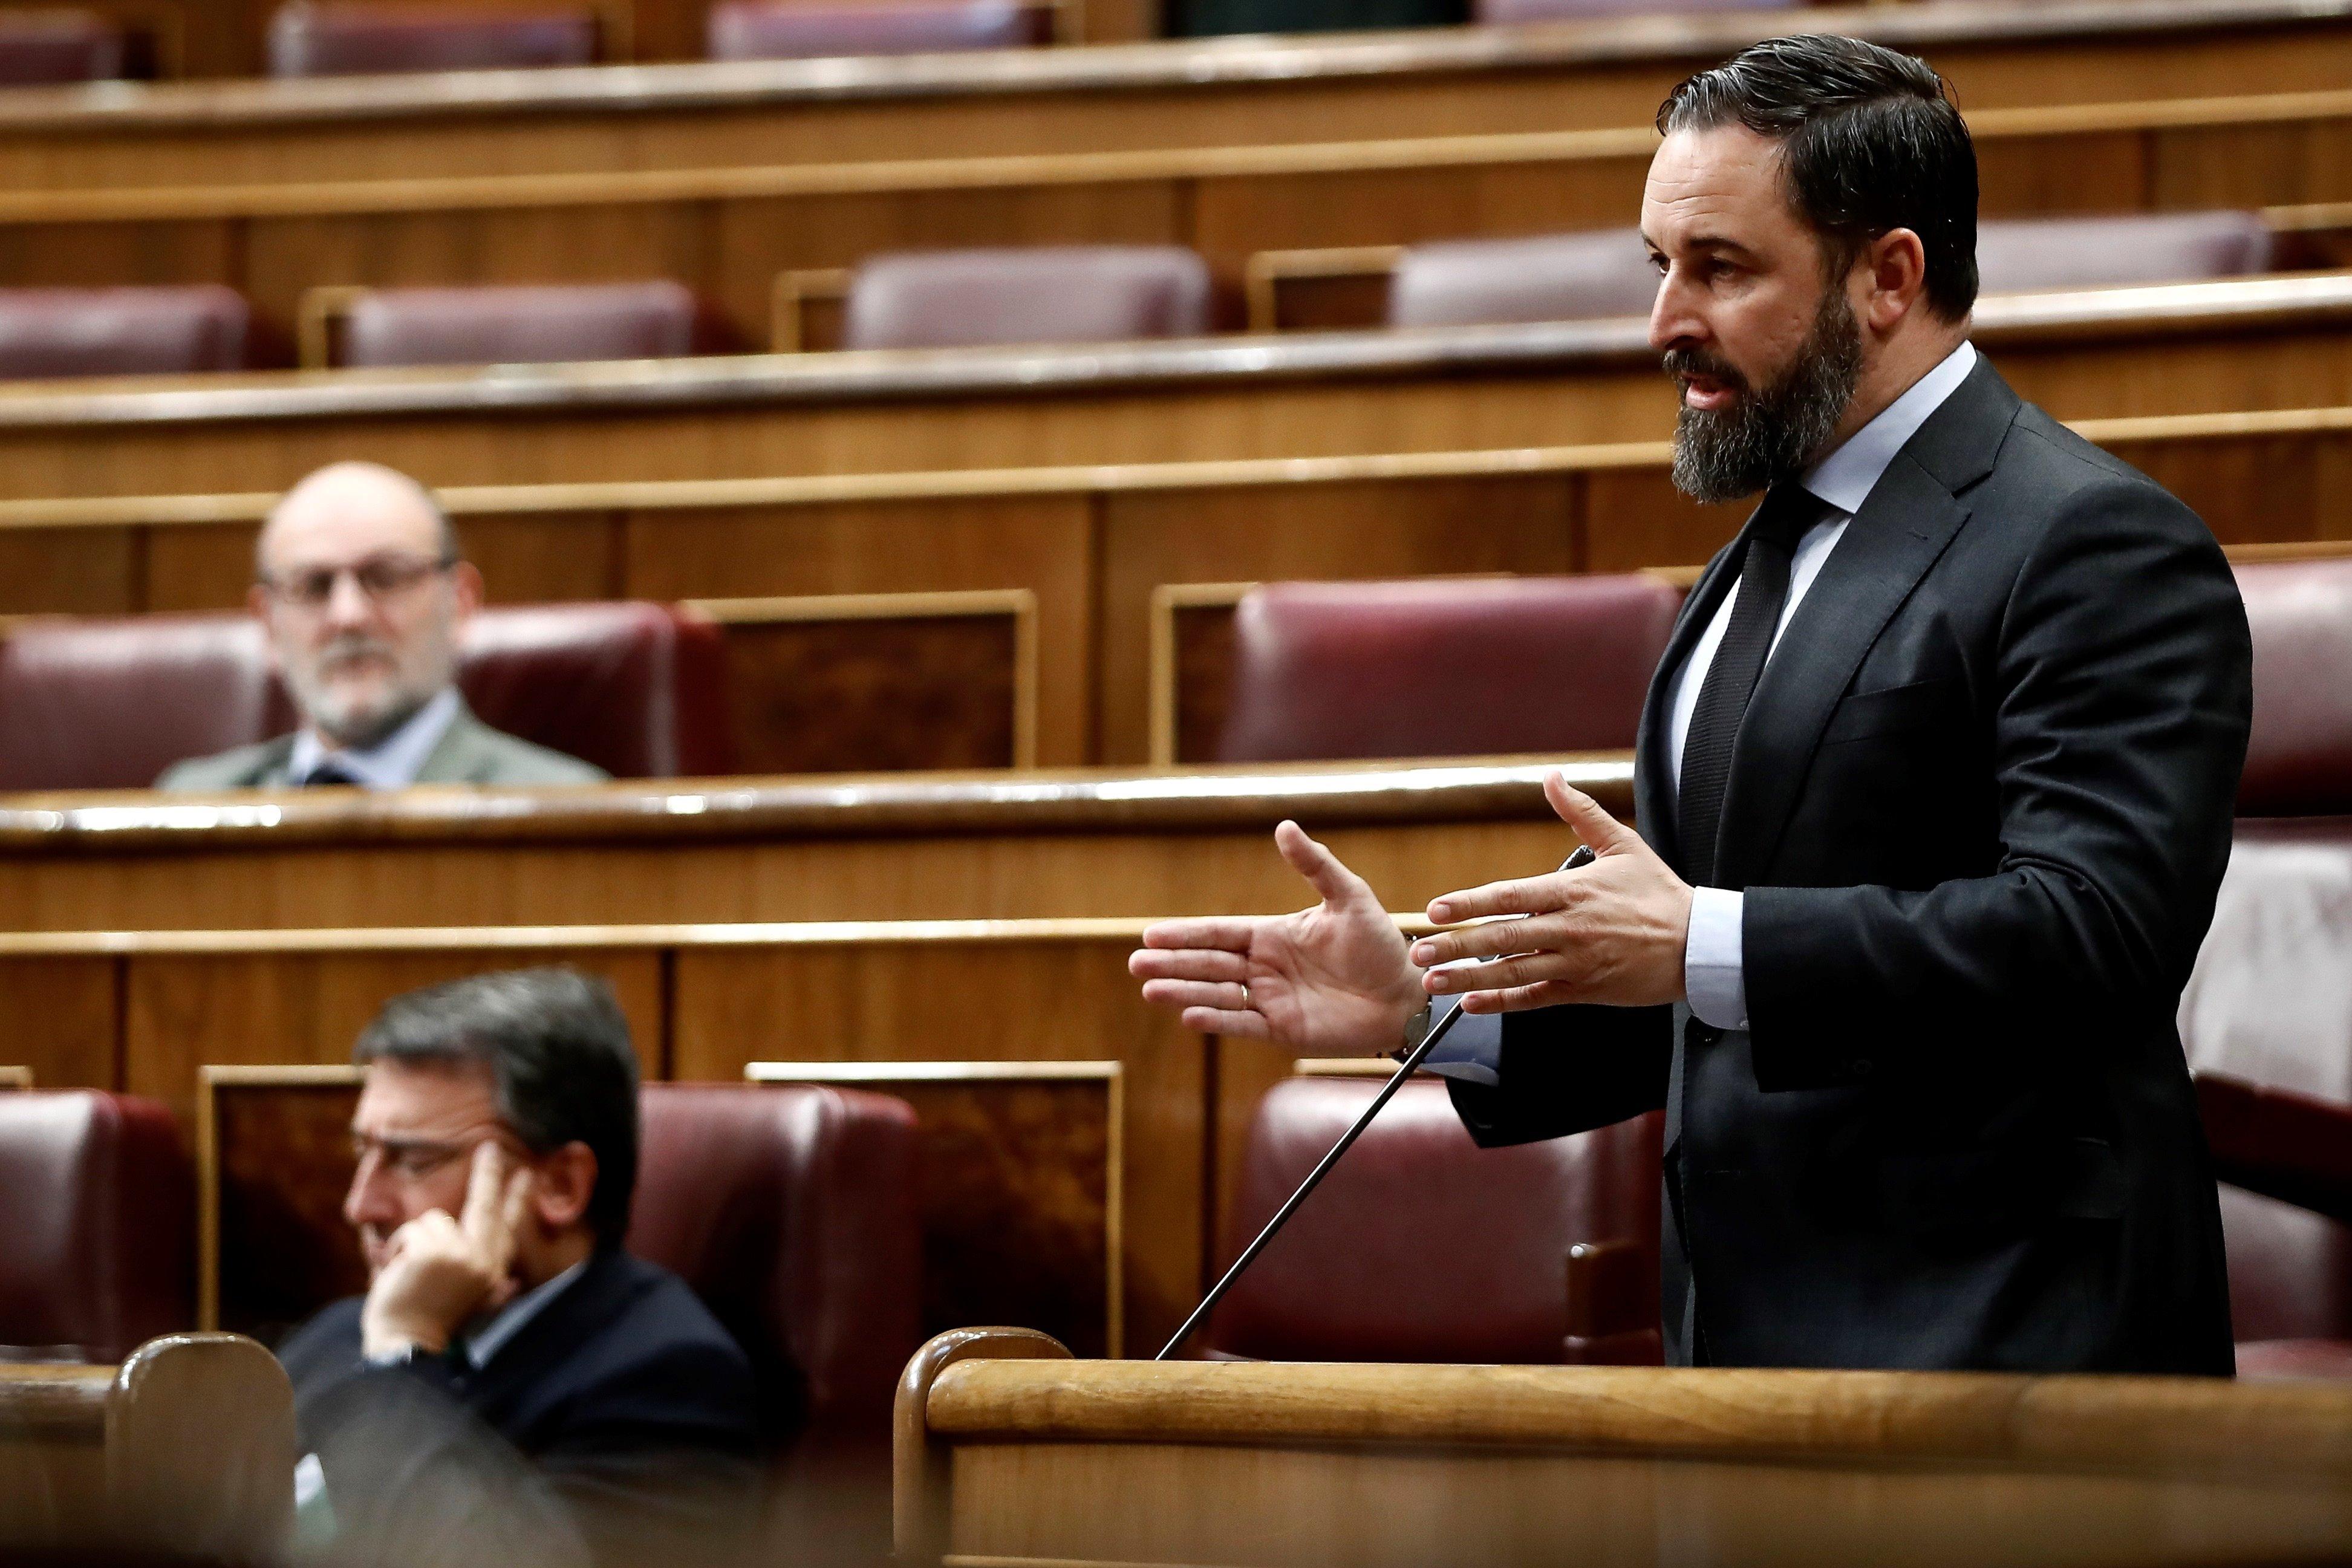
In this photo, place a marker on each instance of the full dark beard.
(1767, 436)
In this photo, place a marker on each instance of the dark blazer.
(1980, 806)
(617, 1421)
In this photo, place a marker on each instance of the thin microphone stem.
(1438, 1029)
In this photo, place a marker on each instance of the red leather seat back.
(101, 1223)
(1331, 669)
(122, 331)
(324, 40)
(798, 29)
(637, 689)
(1045, 294)
(2299, 757)
(1567, 10)
(41, 48)
(2270, 1003)
(109, 705)
(1421, 1245)
(792, 1212)
(529, 324)
(2016, 253)
(1550, 277)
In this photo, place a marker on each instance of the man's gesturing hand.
(1332, 978)
(442, 1271)
(1613, 931)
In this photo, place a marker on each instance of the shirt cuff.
(1714, 974)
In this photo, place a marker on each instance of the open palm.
(1333, 979)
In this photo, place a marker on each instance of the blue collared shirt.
(392, 763)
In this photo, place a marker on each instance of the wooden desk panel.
(729, 232)
(1104, 844)
(2256, 344)
(1441, 81)
(1007, 1452)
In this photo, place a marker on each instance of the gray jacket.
(469, 752)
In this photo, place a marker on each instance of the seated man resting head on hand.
(514, 1388)
(359, 579)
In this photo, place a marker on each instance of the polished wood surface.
(1006, 1451)
(2220, 347)
(731, 231)
(187, 1449)
(1091, 844)
(1440, 80)
(1020, 1172)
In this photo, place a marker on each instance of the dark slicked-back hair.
(1871, 142)
(556, 1046)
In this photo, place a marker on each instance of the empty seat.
(520, 324)
(1057, 294)
(1550, 277)
(2015, 254)
(1421, 1245)
(797, 30)
(43, 48)
(636, 689)
(1324, 671)
(311, 41)
(102, 1225)
(120, 331)
(2266, 1018)
(1569, 10)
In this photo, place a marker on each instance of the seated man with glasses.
(359, 579)
(515, 1389)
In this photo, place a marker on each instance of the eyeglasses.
(379, 577)
(410, 1159)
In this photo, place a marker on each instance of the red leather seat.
(1324, 671)
(1550, 278)
(2267, 1015)
(45, 48)
(1421, 1245)
(2014, 253)
(122, 331)
(806, 29)
(792, 1211)
(525, 324)
(1567, 10)
(326, 40)
(636, 689)
(100, 1203)
(1045, 294)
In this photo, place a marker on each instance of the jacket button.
(1705, 1034)
(1859, 1066)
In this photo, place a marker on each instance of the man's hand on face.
(443, 1272)
(1332, 978)
(1613, 931)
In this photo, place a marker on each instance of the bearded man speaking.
(1934, 787)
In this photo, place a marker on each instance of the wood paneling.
(274, 1156)
(64, 1021)
(1019, 1173)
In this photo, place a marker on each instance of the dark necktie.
(330, 771)
(1788, 509)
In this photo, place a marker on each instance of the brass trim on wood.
(1167, 599)
(210, 1079)
(1112, 1075)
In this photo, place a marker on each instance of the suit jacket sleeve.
(1559, 1071)
(2120, 706)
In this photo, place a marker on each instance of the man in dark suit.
(514, 1389)
(1935, 786)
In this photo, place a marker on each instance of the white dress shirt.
(392, 763)
(1714, 972)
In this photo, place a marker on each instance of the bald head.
(361, 586)
(362, 504)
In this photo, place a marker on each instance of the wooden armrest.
(2283, 1145)
(1610, 1322)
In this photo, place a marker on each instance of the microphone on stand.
(1437, 1030)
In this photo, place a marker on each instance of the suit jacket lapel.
(1911, 515)
(459, 756)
